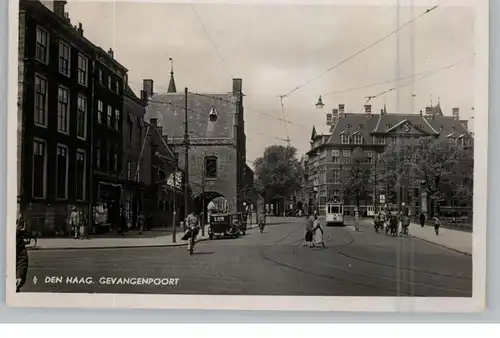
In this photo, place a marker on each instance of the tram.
(334, 213)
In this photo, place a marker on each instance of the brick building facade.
(332, 148)
(55, 94)
(217, 149)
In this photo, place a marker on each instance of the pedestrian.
(437, 224)
(309, 234)
(422, 219)
(122, 224)
(318, 233)
(356, 220)
(74, 222)
(22, 261)
(82, 225)
(140, 223)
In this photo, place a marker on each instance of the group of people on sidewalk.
(392, 221)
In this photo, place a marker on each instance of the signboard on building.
(178, 179)
(382, 198)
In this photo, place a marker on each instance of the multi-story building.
(55, 96)
(135, 155)
(110, 78)
(331, 150)
(217, 151)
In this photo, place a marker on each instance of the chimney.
(59, 8)
(66, 16)
(160, 130)
(144, 95)
(237, 87)
(328, 119)
(111, 53)
(341, 108)
(147, 86)
(456, 113)
(335, 112)
(80, 29)
(153, 121)
(368, 108)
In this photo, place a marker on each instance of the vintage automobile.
(223, 225)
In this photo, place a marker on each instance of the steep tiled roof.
(169, 109)
(449, 125)
(354, 123)
(387, 121)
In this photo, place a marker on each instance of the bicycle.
(193, 232)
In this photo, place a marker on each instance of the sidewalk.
(158, 237)
(456, 240)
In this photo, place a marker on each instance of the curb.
(41, 248)
(114, 247)
(443, 246)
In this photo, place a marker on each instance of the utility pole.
(174, 217)
(203, 196)
(186, 154)
(375, 182)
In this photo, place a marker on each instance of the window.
(62, 172)
(335, 156)
(100, 111)
(109, 156)
(98, 154)
(344, 139)
(100, 76)
(64, 57)
(40, 101)
(80, 174)
(211, 167)
(117, 86)
(110, 116)
(346, 153)
(42, 45)
(381, 140)
(466, 142)
(115, 160)
(130, 126)
(63, 110)
(39, 168)
(110, 82)
(82, 70)
(388, 126)
(336, 193)
(361, 126)
(394, 139)
(117, 119)
(81, 127)
(129, 170)
(451, 141)
(336, 176)
(369, 156)
(358, 139)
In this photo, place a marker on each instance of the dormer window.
(388, 126)
(213, 115)
(344, 139)
(358, 139)
(361, 126)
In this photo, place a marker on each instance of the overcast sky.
(277, 48)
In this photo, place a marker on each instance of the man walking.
(422, 219)
(309, 233)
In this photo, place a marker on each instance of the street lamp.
(320, 104)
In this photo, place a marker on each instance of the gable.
(407, 127)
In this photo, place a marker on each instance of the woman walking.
(318, 233)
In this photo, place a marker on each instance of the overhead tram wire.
(370, 98)
(284, 118)
(348, 90)
(360, 51)
(212, 41)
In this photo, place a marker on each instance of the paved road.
(272, 263)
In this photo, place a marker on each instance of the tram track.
(350, 241)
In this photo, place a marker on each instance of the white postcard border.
(299, 303)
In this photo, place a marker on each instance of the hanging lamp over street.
(320, 104)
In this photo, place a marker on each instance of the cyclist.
(192, 225)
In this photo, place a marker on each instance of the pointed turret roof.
(171, 84)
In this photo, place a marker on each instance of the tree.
(278, 171)
(356, 176)
(441, 167)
